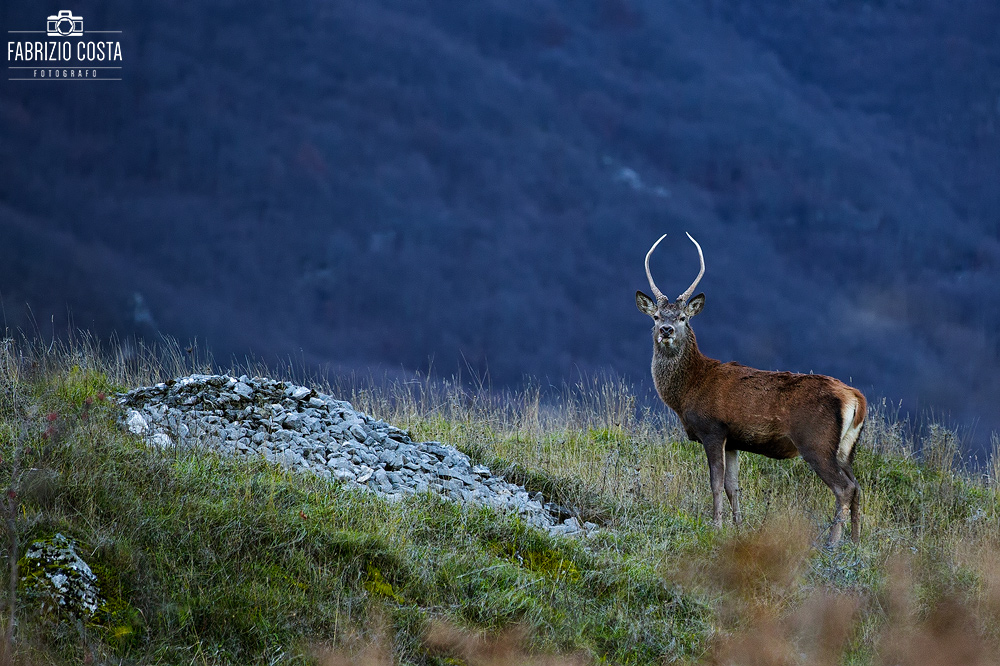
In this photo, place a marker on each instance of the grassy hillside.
(207, 560)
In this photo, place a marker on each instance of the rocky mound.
(312, 432)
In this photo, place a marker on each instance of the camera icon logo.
(64, 24)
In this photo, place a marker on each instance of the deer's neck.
(675, 371)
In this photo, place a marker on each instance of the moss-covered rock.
(54, 574)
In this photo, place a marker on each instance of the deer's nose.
(666, 330)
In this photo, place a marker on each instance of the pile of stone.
(312, 432)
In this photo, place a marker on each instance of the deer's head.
(671, 321)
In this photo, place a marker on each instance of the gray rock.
(297, 392)
(136, 423)
(436, 449)
(328, 437)
(161, 440)
(341, 474)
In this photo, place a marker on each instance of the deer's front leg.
(714, 450)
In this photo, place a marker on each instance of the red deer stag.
(729, 408)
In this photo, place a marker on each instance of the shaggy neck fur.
(675, 369)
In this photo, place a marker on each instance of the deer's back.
(766, 412)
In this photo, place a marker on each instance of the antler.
(657, 294)
(690, 290)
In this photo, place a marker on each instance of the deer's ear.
(695, 305)
(645, 303)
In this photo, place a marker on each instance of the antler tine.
(657, 294)
(690, 290)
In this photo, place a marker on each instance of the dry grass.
(764, 620)
(923, 586)
(781, 600)
(594, 435)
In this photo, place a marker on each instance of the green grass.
(210, 560)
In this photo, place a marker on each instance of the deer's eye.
(682, 318)
(656, 317)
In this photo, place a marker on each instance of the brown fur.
(728, 407)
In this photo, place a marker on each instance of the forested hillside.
(399, 184)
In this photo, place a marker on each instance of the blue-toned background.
(382, 183)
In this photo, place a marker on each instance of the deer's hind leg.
(846, 448)
(855, 504)
(845, 492)
(732, 484)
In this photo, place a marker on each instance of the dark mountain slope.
(384, 183)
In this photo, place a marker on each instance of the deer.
(729, 407)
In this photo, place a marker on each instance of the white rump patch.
(848, 431)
